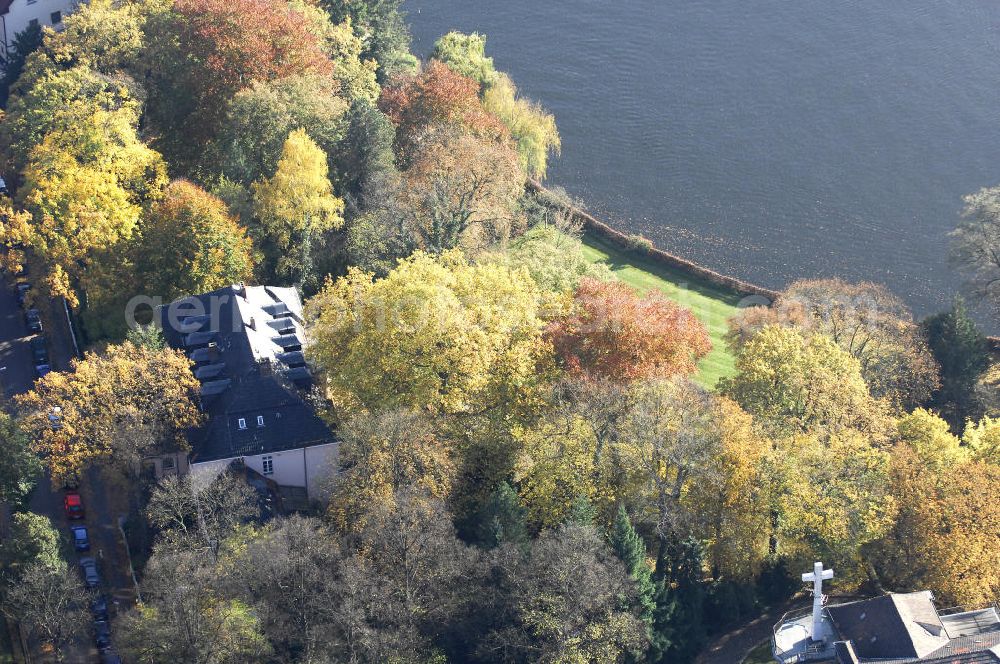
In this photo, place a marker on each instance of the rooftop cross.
(817, 576)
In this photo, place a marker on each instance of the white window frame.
(260, 420)
(241, 423)
(267, 464)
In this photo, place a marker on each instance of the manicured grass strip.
(712, 305)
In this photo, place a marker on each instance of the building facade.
(246, 345)
(17, 15)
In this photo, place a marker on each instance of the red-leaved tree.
(205, 51)
(437, 96)
(612, 333)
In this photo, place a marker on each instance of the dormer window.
(260, 420)
(241, 423)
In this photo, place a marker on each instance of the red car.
(73, 506)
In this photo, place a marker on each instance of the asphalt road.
(17, 375)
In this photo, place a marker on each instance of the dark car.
(89, 568)
(81, 542)
(39, 351)
(22, 292)
(73, 506)
(33, 320)
(102, 633)
(99, 607)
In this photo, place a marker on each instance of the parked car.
(73, 506)
(89, 569)
(99, 607)
(39, 351)
(22, 292)
(40, 354)
(33, 320)
(81, 542)
(102, 634)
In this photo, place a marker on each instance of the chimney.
(240, 289)
(253, 323)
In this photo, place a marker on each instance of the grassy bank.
(712, 305)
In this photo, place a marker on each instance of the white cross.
(817, 576)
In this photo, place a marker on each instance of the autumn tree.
(381, 455)
(438, 96)
(555, 468)
(381, 26)
(84, 186)
(49, 603)
(976, 245)
(613, 333)
(666, 445)
(554, 259)
(946, 536)
(190, 244)
(982, 440)
(295, 206)
(568, 598)
(928, 436)
(443, 334)
(202, 52)
(353, 74)
(184, 617)
(835, 501)
(532, 129)
(201, 510)
(864, 319)
(261, 116)
(734, 508)
(793, 383)
(116, 407)
(461, 190)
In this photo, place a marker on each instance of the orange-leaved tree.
(116, 407)
(614, 333)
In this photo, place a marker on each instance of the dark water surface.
(769, 139)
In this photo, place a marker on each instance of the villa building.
(246, 345)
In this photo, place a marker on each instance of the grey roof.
(891, 626)
(906, 628)
(246, 342)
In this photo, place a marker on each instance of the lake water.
(768, 139)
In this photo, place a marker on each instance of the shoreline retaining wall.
(603, 231)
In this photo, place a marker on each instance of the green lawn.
(713, 305)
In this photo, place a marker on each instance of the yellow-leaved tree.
(84, 187)
(947, 535)
(379, 457)
(294, 206)
(115, 407)
(189, 243)
(436, 333)
(835, 500)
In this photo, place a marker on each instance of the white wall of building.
(310, 467)
(22, 12)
